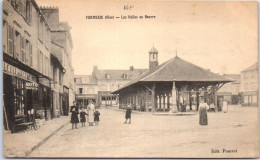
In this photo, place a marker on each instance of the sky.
(220, 36)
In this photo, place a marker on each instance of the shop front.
(24, 97)
(84, 99)
(19, 89)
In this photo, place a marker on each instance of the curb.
(45, 139)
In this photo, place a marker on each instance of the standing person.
(220, 104)
(203, 118)
(91, 110)
(181, 103)
(74, 115)
(225, 106)
(83, 117)
(96, 117)
(128, 114)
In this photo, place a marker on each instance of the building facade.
(98, 86)
(61, 37)
(249, 85)
(230, 91)
(26, 56)
(34, 67)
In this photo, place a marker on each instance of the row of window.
(123, 76)
(44, 33)
(16, 45)
(102, 87)
(44, 63)
(24, 8)
(86, 91)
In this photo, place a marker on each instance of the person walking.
(128, 114)
(96, 117)
(83, 117)
(74, 115)
(91, 110)
(203, 118)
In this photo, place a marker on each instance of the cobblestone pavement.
(159, 136)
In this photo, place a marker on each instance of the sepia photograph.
(130, 79)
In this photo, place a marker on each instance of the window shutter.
(10, 41)
(30, 55)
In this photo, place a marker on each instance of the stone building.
(160, 88)
(61, 36)
(98, 86)
(249, 85)
(230, 91)
(26, 63)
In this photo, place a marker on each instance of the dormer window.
(107, 76)
(124, 76)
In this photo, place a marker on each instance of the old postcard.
(130, 79)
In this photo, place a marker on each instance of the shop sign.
(9, 69)
(31, 85)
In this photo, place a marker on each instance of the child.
(96, 117)
(83, 117)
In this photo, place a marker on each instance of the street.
(159, 136)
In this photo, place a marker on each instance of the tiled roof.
(253, 67)
(180, 70)
(235, 77)
(118, 74)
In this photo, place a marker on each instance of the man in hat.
(91, 111)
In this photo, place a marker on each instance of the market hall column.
(153, 97)
(173, 107)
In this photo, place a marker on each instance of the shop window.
(19, 96)
(17, 45)
(103, 98)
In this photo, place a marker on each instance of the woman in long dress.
(203, 113)
(225, 106)
(91, 111)
(74, 115)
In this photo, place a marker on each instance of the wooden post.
(190, 99)
(205, 95)
(198, 100)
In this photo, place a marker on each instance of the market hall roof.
(178, 69)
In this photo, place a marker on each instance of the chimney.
(52, 15)
(131, 68)
(95, 68)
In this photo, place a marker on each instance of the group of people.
(92, 115)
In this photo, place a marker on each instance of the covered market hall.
(163, 87)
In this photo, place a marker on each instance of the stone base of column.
(173, 109)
